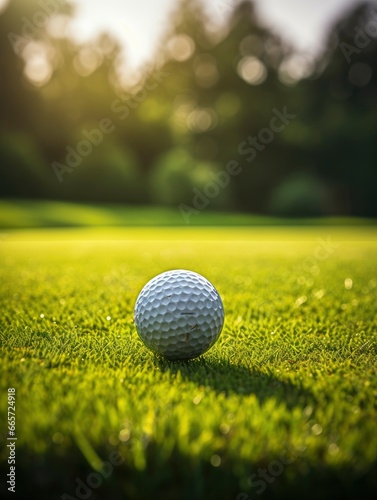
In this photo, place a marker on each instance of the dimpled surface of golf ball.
(179, 314)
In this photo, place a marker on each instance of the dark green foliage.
(198, 103)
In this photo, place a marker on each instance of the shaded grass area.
(289, 390)
(31, 213)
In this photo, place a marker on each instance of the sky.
(139, 24)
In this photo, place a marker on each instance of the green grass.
(294, 367)
(31, 213)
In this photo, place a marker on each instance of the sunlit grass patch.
(292, 375)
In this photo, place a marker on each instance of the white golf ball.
(179, 314)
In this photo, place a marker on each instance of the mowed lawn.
(283, 406)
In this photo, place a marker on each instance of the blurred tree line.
(72, 127)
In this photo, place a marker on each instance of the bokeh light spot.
(348, 283)
(201, 120)
(38, 68)
(57, 26)
(58, 438)
(181, 47)
(294, 68)
(86, 61)
(38, 71)
(215, 461)
(252, 70)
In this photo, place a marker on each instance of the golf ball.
(179, 314)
